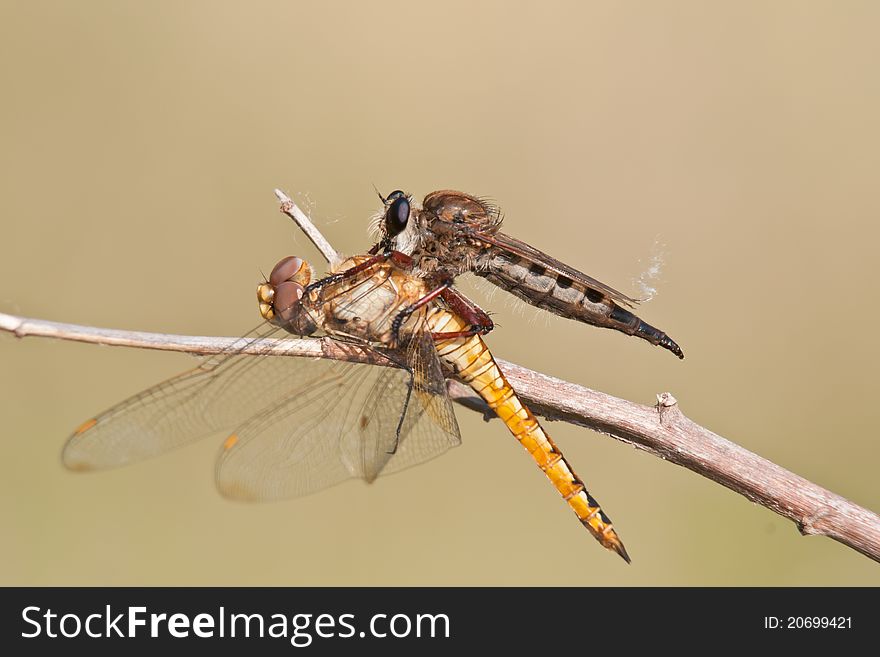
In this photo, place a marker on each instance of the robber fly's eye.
(397, 213)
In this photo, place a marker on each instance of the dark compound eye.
(397, 213)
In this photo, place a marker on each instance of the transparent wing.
(429, 383)
(297, 425)
(223, 391)
(354, 421)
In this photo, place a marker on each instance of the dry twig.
(662, 430)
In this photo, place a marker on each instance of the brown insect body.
(452, 233)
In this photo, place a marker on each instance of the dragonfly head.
(280, 296)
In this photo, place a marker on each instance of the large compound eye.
(397, 213)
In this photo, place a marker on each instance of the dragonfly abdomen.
(473, 363)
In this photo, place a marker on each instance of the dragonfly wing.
(220, 393)
(428, 427)
(356, 421)
(430, 383)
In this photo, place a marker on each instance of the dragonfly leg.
(409, 390)
(400, 259)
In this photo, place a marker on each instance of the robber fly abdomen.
(567, 297)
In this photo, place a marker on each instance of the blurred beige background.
(140, 146)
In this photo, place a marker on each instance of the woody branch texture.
(662, 430)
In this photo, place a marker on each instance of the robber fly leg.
(404, 314)
(479, 322)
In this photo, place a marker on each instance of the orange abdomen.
(473, 363)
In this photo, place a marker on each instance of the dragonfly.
(294, 428)
(376, 299)
(451, 233)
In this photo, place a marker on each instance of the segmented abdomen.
(565, 297)
(473, 363)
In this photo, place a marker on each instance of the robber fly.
(452, 232)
